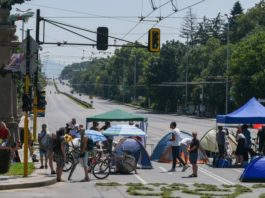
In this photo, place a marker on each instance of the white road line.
(239, 171)
(216, 177)
(165, 170)
(141, 180)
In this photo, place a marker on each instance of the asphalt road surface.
(61, 109)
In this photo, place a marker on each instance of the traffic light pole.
(35, 100)
(26, 121)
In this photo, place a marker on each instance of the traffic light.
(154, 40)
(102, 38)
(26, 103)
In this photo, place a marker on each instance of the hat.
(76, 125)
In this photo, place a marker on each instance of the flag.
(15, 62)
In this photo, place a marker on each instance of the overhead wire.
(144, 18)
(171, 15)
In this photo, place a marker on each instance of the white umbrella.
(124, 130)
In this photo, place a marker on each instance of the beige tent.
(208, 142)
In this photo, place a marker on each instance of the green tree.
(248, 68)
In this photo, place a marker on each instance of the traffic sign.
(34, 47)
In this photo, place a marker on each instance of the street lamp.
(227, 66)
(24, 12)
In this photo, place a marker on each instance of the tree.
(247, 68)
(189, 28)
(7, 4)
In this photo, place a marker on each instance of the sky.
(122, 17)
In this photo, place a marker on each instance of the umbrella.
(95, 136)
(124, 130)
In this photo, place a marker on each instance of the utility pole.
(227, 66)
(26, 122)
(35, 100)
(134, 81)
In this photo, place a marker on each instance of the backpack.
(127, 165)
(90, 144)
(56, 146)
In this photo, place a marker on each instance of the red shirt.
(4, 133)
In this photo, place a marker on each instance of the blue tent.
(161, 152)
(250, 113)
(255, 171)
(137, 150)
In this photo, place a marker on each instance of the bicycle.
(93, 159)
(71, 157)
(124, 163)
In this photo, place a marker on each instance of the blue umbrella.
(95, 136)
(124, 130)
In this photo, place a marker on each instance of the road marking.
(165, 170)
(216, 177)
(239, 171)
(141, 180)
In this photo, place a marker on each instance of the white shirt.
(177, 140)
(186, 141)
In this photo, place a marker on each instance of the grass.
(18, 169)
(108, 184)
(203, 190)
(258, 186)
(262, 195)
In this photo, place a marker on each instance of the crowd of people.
(52, 146)
(244, 146)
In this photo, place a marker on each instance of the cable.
(70, 31)
(143, 19)
(73, 11)
(172, 14)
(87, 30)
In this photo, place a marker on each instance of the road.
(61, 109)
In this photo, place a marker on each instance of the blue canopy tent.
(255, 171)
(250, 113)
(137, 150)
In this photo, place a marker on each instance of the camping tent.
(137, 150)
(255, 171)
(250, 113)
(208, 141)
(162, 151)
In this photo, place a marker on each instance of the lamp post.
(23, 20)
(227, 66)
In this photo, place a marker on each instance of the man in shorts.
(194, 147)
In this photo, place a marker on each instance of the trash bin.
(5, 155)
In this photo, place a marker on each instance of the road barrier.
(81, 102)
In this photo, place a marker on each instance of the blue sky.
(120, 16)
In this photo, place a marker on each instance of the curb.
(31, 184)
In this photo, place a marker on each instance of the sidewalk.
(40, 177)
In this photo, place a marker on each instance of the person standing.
(83, 158)
(220, 139)
(175, 146)
(261, 140)
(95, 126)
(241, 147)
(59, 153)
(109, 138)
(248, 149)
(194, 147)
(42, 139)
(4, 134)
